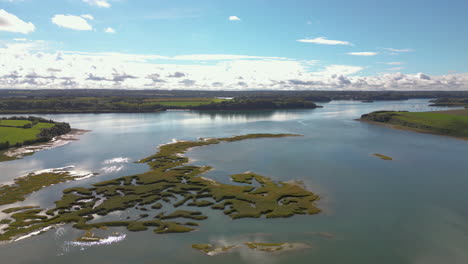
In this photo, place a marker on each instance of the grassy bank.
(452, 123)
(20, 131)
(19, 135)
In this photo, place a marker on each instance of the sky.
(234, 45)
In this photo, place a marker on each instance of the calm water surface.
(409, 210)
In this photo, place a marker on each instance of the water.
(409, 210)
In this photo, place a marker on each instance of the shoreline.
(392, 126)
(58, 141)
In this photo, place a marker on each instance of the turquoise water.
(409, 210)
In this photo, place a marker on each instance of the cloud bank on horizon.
(58, 49)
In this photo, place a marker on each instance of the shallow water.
(409, 210)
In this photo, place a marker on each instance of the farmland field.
(18, 135)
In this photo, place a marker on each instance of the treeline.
(77, 105)
(45, 134)
(58, 129)
(315, 96)
(133, 104)
(258, 104)
(33, 119)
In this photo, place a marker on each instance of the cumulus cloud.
(188, 82)
(88, 16)
(98, 3)
(11, 23)
(423, 76)
(120, 77)
(109, 30)
(363, 53)
(155, 78)
(71, 22)
(177, 75)
(234, 18)
(30, 64)
(325, 41)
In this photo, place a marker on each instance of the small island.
(170, 183)
(16, 132)
(212, 250)
(275, 247)
(452, 123)
(383, 157)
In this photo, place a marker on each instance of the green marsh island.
(452, 123)
(24, 186)
(384, 157)
(212, 250)
(170, 183)
(16, 132)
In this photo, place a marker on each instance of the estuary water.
(409, 210)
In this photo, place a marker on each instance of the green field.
(18, 135)
(450, 123)
(14, 123)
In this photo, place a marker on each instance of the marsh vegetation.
(169, 184)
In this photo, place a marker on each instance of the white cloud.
(208, 57)
(71, 22)
(338, 70)
(109, 30)
(98, 3)
(325, 41)
(234, 18)
(88, 16)
(394, 63)
(363, 53)
(11, 23)
(29, 64)
(398, 50)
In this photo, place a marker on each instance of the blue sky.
(353, 39)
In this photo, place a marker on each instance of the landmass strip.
(452, 123)
(18, 132)
(169, 184)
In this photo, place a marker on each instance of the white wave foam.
(105, 241)
(35, 233)
(116, 160)
(77, 175)
(60, 232)
(112, 169)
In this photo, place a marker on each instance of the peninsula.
(452, 123)
(22, 131)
